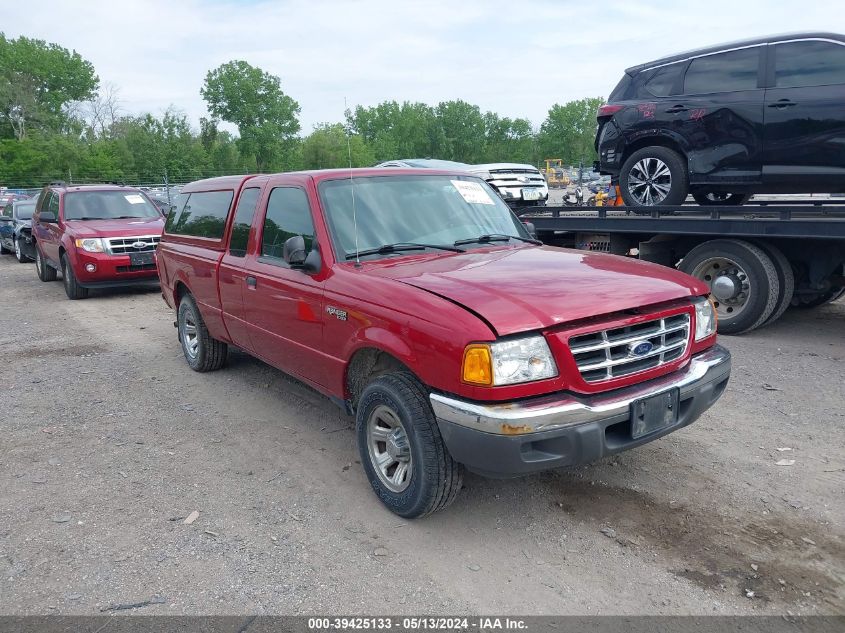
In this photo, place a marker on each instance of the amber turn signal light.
(478, 365)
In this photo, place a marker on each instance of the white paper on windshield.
(134, 198)
(472, 192)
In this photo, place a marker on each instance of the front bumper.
(563, 429)
(112, 271)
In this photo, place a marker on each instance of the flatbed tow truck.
(758, 258)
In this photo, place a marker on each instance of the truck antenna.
(352, 188)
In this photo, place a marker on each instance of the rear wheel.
(654, 176)
(202, 352)
(743, 282)
(786, 280)
(718, 199)
(44, 270)
(19, 253)
(72, 288)
(403, 454)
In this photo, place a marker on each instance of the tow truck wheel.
(401, 449)
(72, 288)
(654, 176)
(743, 280)
(44, 270)
(718, 199)
(786, 280)
(202, 352)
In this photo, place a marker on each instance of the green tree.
(391, 130)
(326, 147)
(569, 131)
(508, 140)
(37, 80)
(253, 100)
(463, 129)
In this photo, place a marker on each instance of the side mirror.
(529, 226)
(293, 251)
(47, 217)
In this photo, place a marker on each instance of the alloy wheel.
(650, 181)
(190, 336)
(389, 448)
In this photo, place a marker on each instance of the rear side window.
(663, 81)
(204, 214)
(621, 88)
(809, 63)
(723, 72)
(288, 214)
(243, 220)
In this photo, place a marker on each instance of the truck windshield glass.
(108, 205)
(437, 210)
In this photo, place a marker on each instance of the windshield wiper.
(402, 246)
(496, 237)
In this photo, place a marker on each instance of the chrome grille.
(126, 245)
(608, 354)
(511, 178)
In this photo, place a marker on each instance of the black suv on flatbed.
(759, 116)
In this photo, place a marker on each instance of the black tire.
(72, 288)
(678, 182)
(760, 273)
(435, 478)
(786, 280)
(202, 352)
(821, 299)
(3, 249)
(19, 252)
(721, 199)
(44, 270)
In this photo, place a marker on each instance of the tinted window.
(53, 204)
(809, 64)
(107, 205)
(204, 214)
(723, 72)
(175, 212)
(620, 89)
(662, 82)
(24, 211)
(243, 220)
(288, 214)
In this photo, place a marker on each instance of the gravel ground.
(109, 441)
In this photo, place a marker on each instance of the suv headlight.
(91, 245)
(705, 318)
(508, 362)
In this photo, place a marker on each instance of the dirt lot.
(109, 441)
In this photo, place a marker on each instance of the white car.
(518, 184)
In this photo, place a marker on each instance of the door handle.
(782, 103)
(251, 281)
(676, 109)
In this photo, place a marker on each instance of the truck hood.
(530, 288)
(489, 166)
(116, 228)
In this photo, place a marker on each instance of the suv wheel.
(19, 253)
(712, 199)
(202, 352)
(654, 176)
(401, 449)
(72, 288)
(44, 270)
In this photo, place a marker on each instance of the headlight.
(508, 362)
(91, 245)
(705, 318)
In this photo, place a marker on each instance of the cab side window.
(288, 214)
(243, 220)
(809, 63)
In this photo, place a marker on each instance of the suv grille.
(126, 245)
(610, 353)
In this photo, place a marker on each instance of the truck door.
(804, 135)
(284, 306)
(232, 271)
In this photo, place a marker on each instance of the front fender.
(381, 339)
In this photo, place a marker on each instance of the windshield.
(438, 210)
(23, 211)
(108, 205)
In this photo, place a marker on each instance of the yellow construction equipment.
(555, 173)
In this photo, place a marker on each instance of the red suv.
(99, 236)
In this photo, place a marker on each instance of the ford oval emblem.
(139, 244)
(640, 348)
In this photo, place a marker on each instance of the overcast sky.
(516, 58)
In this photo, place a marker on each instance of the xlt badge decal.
(340, 314)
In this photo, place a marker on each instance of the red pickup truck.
(98, 236)
(419, 303)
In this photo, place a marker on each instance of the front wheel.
(403, 454)
(721, 199)
(654, 176)
(202, 352)
(72, 288)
